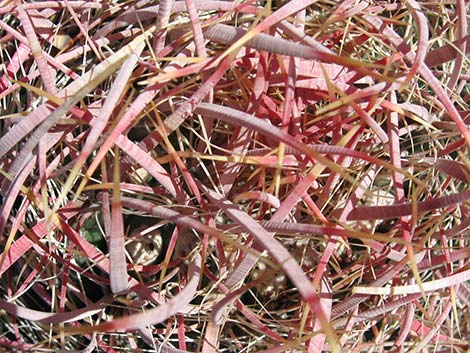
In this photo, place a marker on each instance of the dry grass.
(215, 176)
